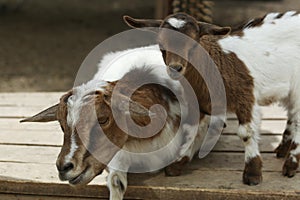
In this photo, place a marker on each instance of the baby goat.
(259, 65)
(93, 140)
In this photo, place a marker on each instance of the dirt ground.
(43, 43)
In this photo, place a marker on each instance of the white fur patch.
(114, 179)
(115, 65)
(174, 110)
(176, 23)
(149, 155)
(186, 148)
(251, 150)
(251, 145)
(73, 148)
(256, 121)
(243, 131)
(250, 132)
(195, 140)
(294, 159)
(271, 53)
(75, 101)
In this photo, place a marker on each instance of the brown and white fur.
(84, 108)
(259, 65)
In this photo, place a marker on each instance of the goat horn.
(46, 115)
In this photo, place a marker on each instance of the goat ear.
(142, 23)
(211, 29)
(138, 109)
(45, 116)
(135, 108)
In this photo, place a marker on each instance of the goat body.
(259, 65)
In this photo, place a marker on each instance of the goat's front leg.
(117, 184)
(187, 149)
(249, 134)
(293, 156)
(191, 144)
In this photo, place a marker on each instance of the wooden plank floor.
(28, 153)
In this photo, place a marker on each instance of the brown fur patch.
(267, 101)
(293, 146)
(279, 15)
(239, 29)
(237, 32)
(146, 95)
(240, 98)
(257, 22)
(290, 167)
(253, 171)
(283, 148)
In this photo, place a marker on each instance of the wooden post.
(163, 8)
(200, 9)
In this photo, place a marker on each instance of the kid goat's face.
(177, 47)
(178, 35)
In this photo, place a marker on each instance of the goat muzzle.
(176, 67)
(175, 71)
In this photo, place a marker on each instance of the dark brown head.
(170, 43)
(91, 136)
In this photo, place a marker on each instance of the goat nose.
(177, 68)
(65, 167)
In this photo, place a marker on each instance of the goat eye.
(103, 121)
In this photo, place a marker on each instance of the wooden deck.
(28, 153)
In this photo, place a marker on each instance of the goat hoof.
(252, 180)
(170, 171)
(252, 173)
(282, 150)
(289, 168)
(175, 168)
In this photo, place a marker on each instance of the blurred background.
(43, 42)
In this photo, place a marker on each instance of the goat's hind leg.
(292, 160)
(283, 149)
(249, 133)
(293, 104)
